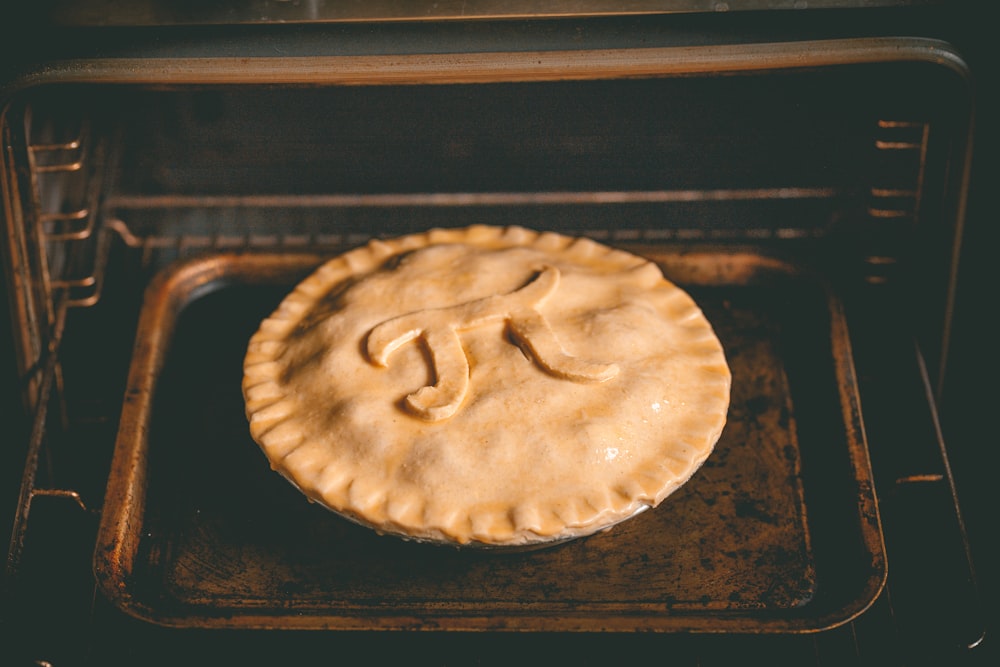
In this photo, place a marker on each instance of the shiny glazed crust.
(486, 386)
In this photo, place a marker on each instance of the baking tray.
(778, 531)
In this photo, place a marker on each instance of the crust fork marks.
(438, 328)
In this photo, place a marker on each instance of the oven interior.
(816, 211)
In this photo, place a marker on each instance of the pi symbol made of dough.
(439, 329)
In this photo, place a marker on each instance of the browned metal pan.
(778, 532)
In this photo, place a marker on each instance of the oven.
(805, 170)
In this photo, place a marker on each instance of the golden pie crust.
(486, 386)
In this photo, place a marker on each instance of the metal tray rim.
(119, 531)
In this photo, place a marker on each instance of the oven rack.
(917, 494)
(75, 224)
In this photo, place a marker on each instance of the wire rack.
(81, 234)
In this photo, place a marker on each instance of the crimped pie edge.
(273, 425)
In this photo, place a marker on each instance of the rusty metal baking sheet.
(778, 531)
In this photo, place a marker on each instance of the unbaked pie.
(486, 386)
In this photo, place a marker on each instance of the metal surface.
(198, 532)
(485, 67)
(159, 12)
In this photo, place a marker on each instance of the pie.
(486, 386)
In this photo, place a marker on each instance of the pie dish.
(486, 386)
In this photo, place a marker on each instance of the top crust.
(485, 385)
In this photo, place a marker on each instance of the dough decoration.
(439, 329)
